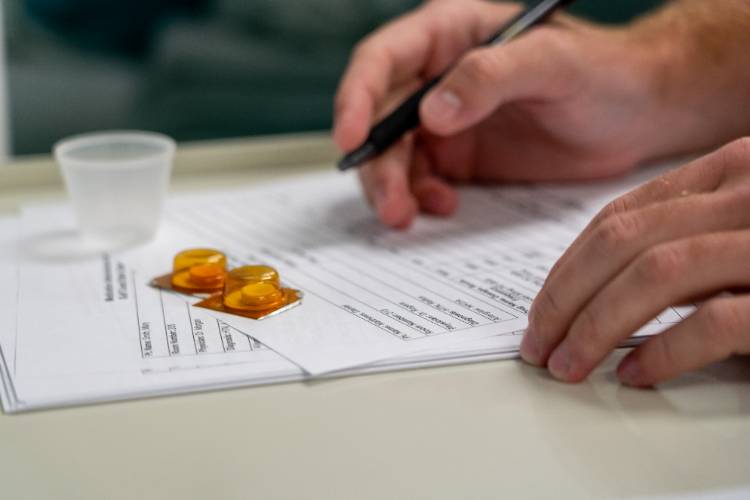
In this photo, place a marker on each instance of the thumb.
(485, 79)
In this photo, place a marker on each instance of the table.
(491, 430)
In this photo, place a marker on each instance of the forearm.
(700, 54)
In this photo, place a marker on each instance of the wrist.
(693, 65)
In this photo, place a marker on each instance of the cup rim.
(63, 147)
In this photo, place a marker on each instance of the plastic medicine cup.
(117, 182)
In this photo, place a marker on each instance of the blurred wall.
(4, 133)
(194, 69)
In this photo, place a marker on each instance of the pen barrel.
(401, 120)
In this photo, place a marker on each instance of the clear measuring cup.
(117, 183)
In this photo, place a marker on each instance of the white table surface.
(492, 430)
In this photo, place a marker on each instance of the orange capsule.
(199, 270)
(253, 288)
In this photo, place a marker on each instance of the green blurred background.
(194, 69)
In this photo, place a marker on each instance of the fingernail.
(442, 105)
(559, 363)
(629, 371)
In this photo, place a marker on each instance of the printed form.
(373, 293)
(447, 291)
(122, 339)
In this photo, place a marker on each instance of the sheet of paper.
(133, 341)
(448, 291)
(374, 293)
(90, 328)
(93, 331)
(351, 315)
(9, 233)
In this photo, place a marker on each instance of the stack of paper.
(80, 329)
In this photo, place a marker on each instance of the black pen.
(406, 116)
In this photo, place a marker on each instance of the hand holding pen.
(406, 116)
(572, 100)
(548, 105)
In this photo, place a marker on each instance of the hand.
(567, 100)
(683, 236)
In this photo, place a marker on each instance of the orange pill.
(211, 275)
(199, 270)
(262, 296)
(253, 288)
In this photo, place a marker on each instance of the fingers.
(608, 249)
(401, 182)
(530, 67)
(398, 56)
(663, 208)
(385, 182)
(394, 54)
(718, 329)
(420, 44)
(679, 237)
(666, 274)
(433, 194)
(699, 176)
(622, 229)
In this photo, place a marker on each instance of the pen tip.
(357, 157)
(346, 163)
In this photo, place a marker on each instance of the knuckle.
(616, 207)
(480, 66)
(553, 270)
(735, 201)
(567, 67)
(623, 204)
(369, 48)
(741, 148)
(447, 9)
(616, 231)
(361, 48)
(546, 307)
(551, 41)
(735, 157)
(662, 263)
